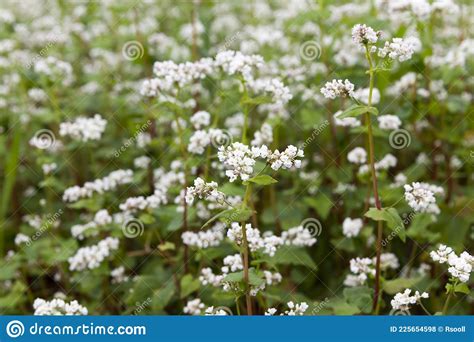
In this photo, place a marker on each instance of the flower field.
(237, 158)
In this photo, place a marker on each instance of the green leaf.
(256, 100)
(238, 277)
(147, 218)
(462, 288)
(341, 307)
(262, 180)
(289, 255)
(360, 297)
(356, 110)
(92, 204)
(236, 215)
(189, 285)
(322, 203)
(389, 215)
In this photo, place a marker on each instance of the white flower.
(388, 260)
(200, 119)
(118, 275)
(345, 122)
(204, 239)
(204, 190)
(351, 227)
(420, 197)
(91, 256)
(194, 307)
(58, 307)
(389, 122)
(402, 301)
(286, 159)
(363, 34)
(142, 162)
(336, 88)
(84, 129)
(357, 156)
(442, 254)
(238, 160)
(263, 136)
(398, 48)
(296, 309)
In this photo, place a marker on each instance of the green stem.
(245, 253)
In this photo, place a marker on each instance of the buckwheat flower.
(351, 227)
(298, 236)
(232, 263)
(198, 142)
(207, 277)
(362, 265)
(286, 159)
(58, 307)
(203, 190)
(91, 257)
(357, 156)
(270, 312)
(353, 280)
(37, 95)
(363, 95)
(363, 34)
(238, 160)
(21, 238)
(142, 162)
(296, 309)
(204, 239)
(420, 196)
(143, 139)
(49, 168)
(84, 129)
(118, 275)
(388, 161)
(388, 260)
(263, 136)
(200, 119)
(389, 122)
(402, 301)
(442, 254)
(460, 266)
(254, 239)
(337, 88)
(194, 307)
(398, 49)
(211, 311)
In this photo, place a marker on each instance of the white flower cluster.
(460, 266)
(55, 70)
(58, 307)
(268, 243)
(107, 183)
(202, 139)
(263, 136)
(337, 88)
(211, 311)
(21, 238)
(402, 301)
(91, 256)
(101, 218)
(203, 190)
(421, 197)
(398, 48)
(140, 203)
(194, 307)
(298, 236)
(118, 275)
(200, 119)
(389, 122)
(239, 159)
(204, 239)
(351, 227)
(357, 156)
(346, 122)
(361, 268)
(388, 260)
(207, 277)
(294, 309)
(84, 129)
(363, 34)
(388, 161)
